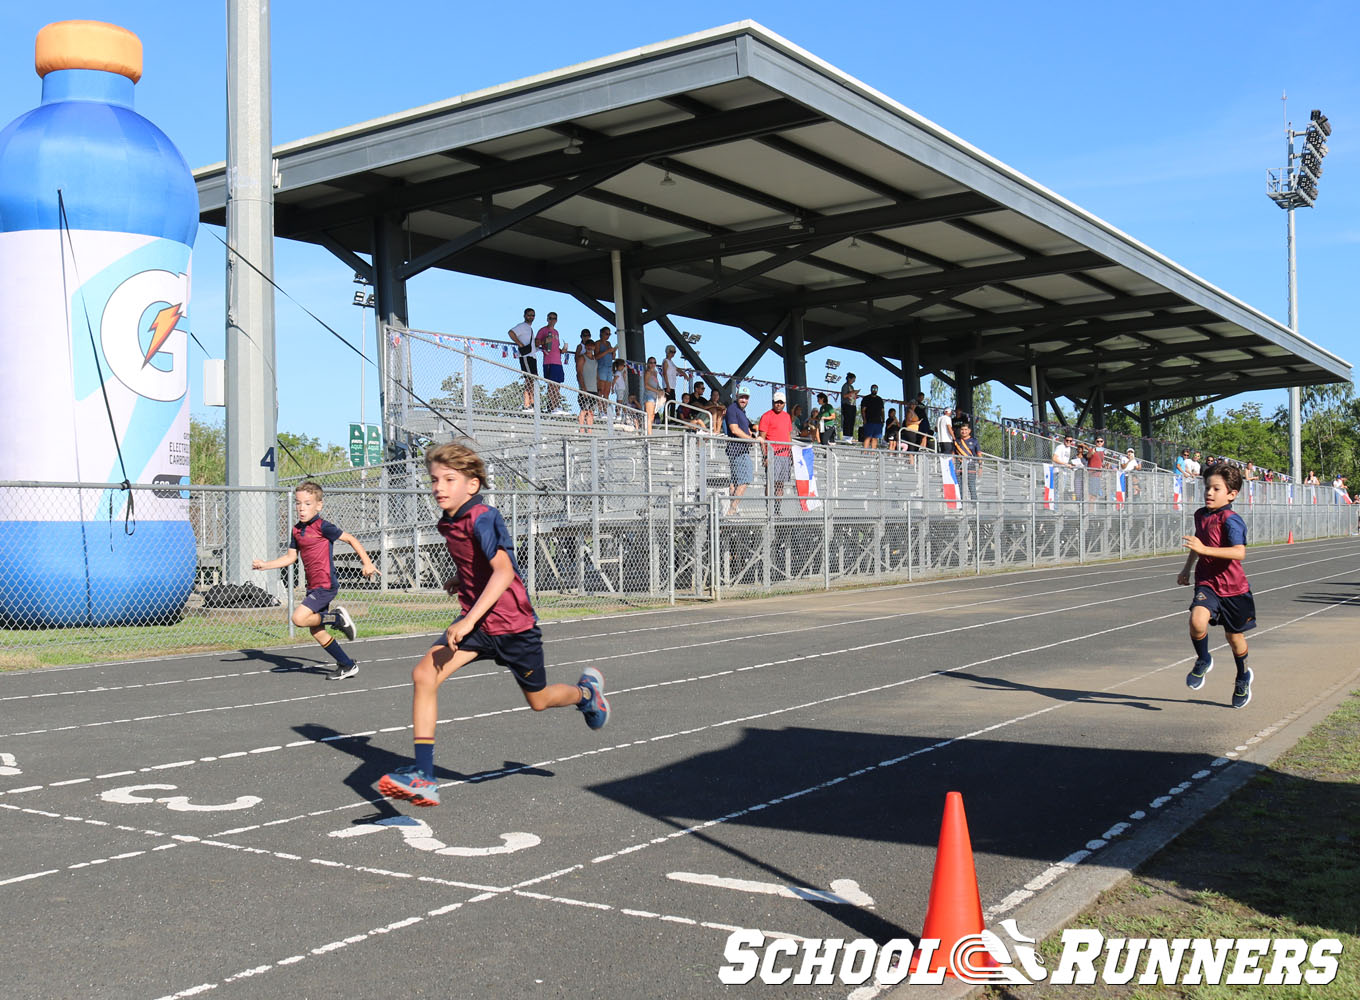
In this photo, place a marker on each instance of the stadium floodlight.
(1319, 119)
(832, 364)
(833, 379)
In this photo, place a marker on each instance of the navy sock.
(1201, 646)
(1241, 662)
(329, 618)
(341, 657)
(425, 756)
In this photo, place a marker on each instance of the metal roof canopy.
(805, 206)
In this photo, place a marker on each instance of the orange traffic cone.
(955, 907)
(1290, 539)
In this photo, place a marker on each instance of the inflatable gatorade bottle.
(98, 212)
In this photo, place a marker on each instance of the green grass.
(1279, 859)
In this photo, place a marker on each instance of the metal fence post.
(670, 542)
(826, 542)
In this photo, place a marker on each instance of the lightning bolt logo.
(161, 328)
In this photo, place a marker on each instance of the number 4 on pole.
(268, 461)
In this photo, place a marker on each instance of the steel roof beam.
(544, 168)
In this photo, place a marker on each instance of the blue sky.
(1161, 118)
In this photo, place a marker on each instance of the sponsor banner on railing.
(949, 482)
(1050, 486)
(804, 476)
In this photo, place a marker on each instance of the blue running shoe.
(345, 626)
(1194, 680)
(411, 784)
(1242, 690)
(596, 706)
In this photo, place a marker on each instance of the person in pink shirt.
(551, 345)
(776, 426)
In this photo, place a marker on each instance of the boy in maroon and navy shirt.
(1222, 593)
(313, 540)
(497, 621)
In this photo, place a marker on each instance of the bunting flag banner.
(1177, 487)
(949, 482)
(1341, 496)
(1050, 488)
(1121, 490)
(804, 476)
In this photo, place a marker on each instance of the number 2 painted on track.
(417, 833)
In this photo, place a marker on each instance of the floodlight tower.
(1295, 186)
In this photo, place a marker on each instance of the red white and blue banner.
(1050, 486)
(1251, 491)
(1177, 488)
(1121, 490)
(1289, 494)
(804, 477)
(1340, 495)
(949, 482)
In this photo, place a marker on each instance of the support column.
(252, 393)
(1036, 394)
(394, 360)
(963, 389)
(795, 363)
(911, 365)
(631, 337)
(1098, 410)
(1145, 428)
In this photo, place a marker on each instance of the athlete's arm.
(367, 567)
(502, 575)
(287, 559)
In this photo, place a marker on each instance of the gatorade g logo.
(140, 336)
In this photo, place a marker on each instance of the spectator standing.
(670, 374)
(849, 406)
(776, 426)
(1129, 466)
(911, 427)
(586, 379)
(872, 410)
(551, 345)
(944, 431)
(1312, 479)
(966, 447)
(1062, 458)
(739, 461)
(653, 393)
(523, 336)
(892, 430)
(1095, 462)
(927, 440)
(826, 419)
(604, 362)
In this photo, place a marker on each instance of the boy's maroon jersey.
(315, 542)
(474, 534)
(1221, 529)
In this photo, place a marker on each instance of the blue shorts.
(1235, 614)
(521, 652)
(554, 373)
(873, 430)
(319, 599)
(651, 397)
(743, 473)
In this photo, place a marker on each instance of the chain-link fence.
(625, 522)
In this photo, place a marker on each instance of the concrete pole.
(253, 526)
(1036, 399)
(911, 367)
(394, 370)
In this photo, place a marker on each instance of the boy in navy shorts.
(1222, 594)
(314, 540)
(497, 621)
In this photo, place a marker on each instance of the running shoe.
(411, 784)
(1194, 680)
(1242, 690)
(345, 625)
(341, 672)
(596, 706)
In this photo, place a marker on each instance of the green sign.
(356, 444)
(375, 445)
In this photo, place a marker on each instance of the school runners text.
(1087, 957)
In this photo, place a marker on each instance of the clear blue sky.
(1160, 118)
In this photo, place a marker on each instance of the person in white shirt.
(670, 374)
(523, 336)
(1130, 465)
(944, 432)
(1062, 458)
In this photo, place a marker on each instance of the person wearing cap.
(738, 427)
(1095, 461)
(587, 380)
(1130, 465)
(670, 374)
(944, 431)
(849, 406)
(871, 409)
(776, 426)
(1062, 458)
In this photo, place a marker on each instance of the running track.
(207, 825)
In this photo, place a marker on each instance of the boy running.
(497, 621)
(1222, 593)
(314, 539)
